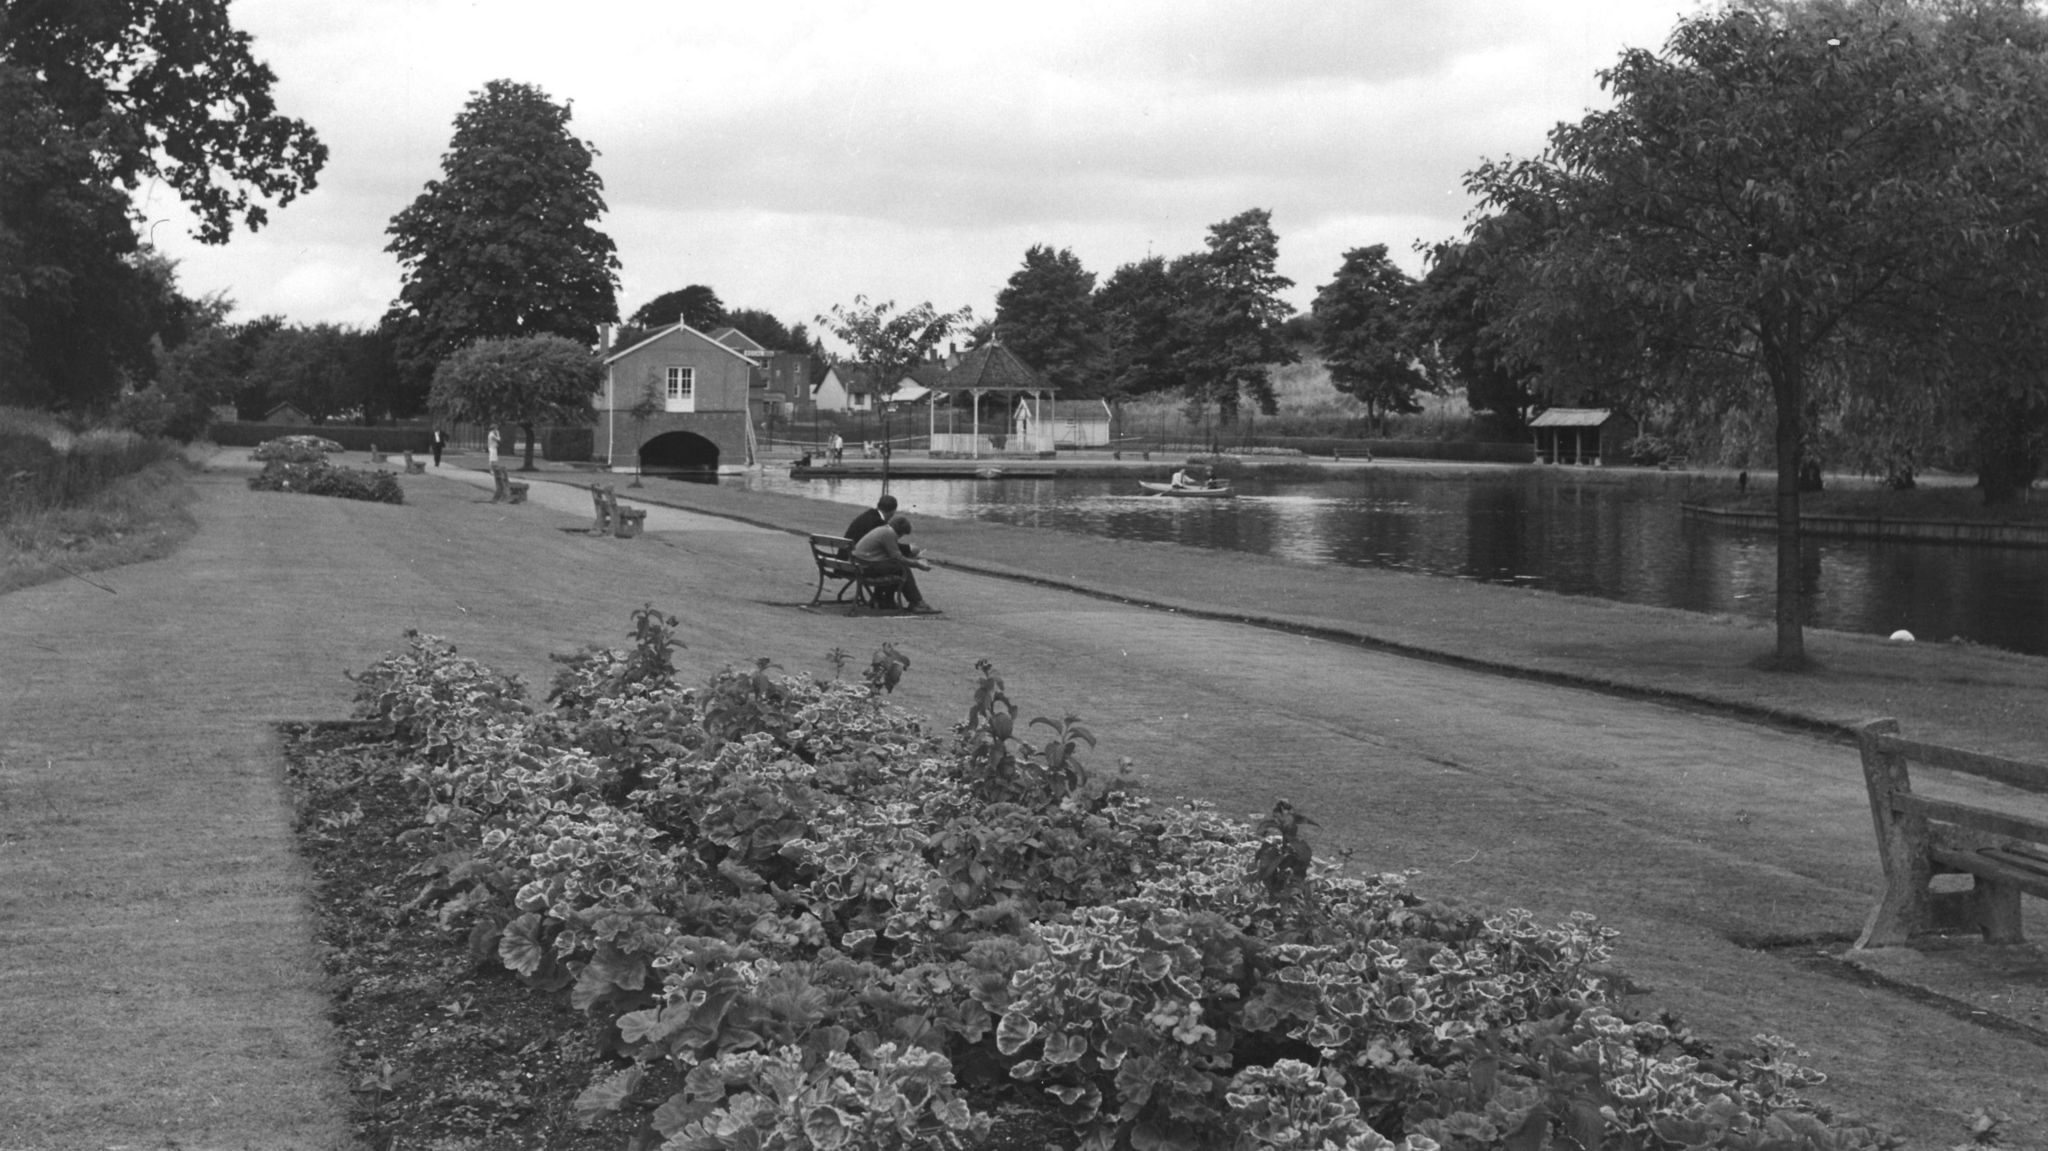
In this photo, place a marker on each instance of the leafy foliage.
(816, 924)
(1231, 315)
(505, 243)
(526, 380)
(887, 341)
(1368, 337)
(317, 477)
(1046, 315)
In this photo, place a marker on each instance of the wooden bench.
(509, 490)
(1918, 838)
(414, 467)
(601, 500)
(833, 556)
(626, 521)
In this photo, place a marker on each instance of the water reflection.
(1531, 529)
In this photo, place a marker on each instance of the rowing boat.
(1170, 490)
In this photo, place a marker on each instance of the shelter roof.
(993, 367)
(1572, 418)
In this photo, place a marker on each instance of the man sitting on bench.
(880, 551)
(872, 518)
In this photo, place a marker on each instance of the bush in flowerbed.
(300, 464)
(297, 449)
(814, 922)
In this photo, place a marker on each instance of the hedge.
(1468, 451)
(352, 437)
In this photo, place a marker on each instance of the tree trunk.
(2005, 466)
(1787, 379)
(528, 429)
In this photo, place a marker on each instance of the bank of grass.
(1958, 501)
(79, 500)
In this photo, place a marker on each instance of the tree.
(1772, 181)
(696, 305)
(328, 371)
(1231, 315)
(1139, 312)
(167, 89)
(522, 380)
(1046, 315)
(887, 343)
(505, 244)
(1368, 338)
(1453, 305)
(771, 333)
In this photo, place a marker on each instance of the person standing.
(491, 446)
(440, 442)
(838, 447)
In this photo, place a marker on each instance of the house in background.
(1581, 435)
(844, 388)
(677, 400)
(287, 413)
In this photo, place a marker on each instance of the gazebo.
(991, 369)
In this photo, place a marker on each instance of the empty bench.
(833, 556)
(612, 517)
(2005, 852)
(509, 490)
(414, 467)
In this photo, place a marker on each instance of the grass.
(80, 500)
(1927, 502)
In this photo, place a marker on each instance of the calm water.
(1528, 529)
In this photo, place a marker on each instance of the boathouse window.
(682, 390)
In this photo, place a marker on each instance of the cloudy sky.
(795, 153)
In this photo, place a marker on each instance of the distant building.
(1581, 435)
(677, 400)
(286, 413)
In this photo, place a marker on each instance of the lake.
(1537, 528)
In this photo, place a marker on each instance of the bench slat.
(2005, 868)
(1976, 818)
(2026, 776)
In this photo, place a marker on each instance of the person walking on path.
(880, 550)
(491, 446)
(872, 518)
(440, 443)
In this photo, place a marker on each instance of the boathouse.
(1581, 435)
(676, 401)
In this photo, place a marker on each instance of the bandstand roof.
(993, 368)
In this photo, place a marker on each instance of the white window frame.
(681, 390)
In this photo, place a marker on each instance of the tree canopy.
(94, 99)
(1138, 308)
(696, 305)
(1231, 315)
(1046, 314)
(522, 380)
(505, 243)
(1777, 179)
(1368, 337)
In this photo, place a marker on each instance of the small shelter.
(1581, 435)
(992, 370)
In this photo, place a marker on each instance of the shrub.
(323, 479)
(297, 449)
(816, 924)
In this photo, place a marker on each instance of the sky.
(795, 154)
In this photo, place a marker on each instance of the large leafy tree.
(94, 99)
(1231, 315)
(505, 244)
(888, 341)
(522, 380)
(769, 332)
(1455, 306)
(1046, 315)
(1368, 337)
(697, 305)
(1139, 309)
(328, 371)
(1773, 180)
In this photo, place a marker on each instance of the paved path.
(1688, 832)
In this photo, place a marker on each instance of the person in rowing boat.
(1192, 476)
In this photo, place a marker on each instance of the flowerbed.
(300, 464)
(774, 911)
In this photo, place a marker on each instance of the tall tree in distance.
(1231, 315)
(523, 380)
(697, 305)
(1368, 337)
(1139, 310)
(1455, 306)
(505, 243)
(771, 333)
(1046, 315)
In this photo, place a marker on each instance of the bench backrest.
(831, 547)
(1949, 824)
